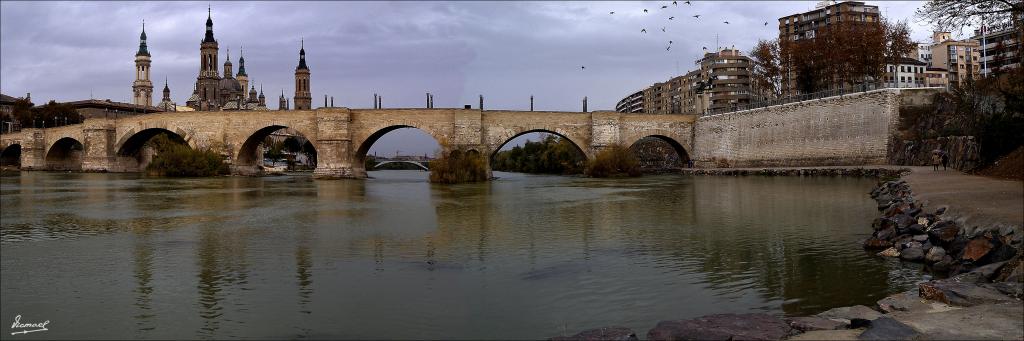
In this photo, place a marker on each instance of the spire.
(209, 26)
(302, 56)
(167, 91)
(227, 67)
(143, 51)
(241, 63)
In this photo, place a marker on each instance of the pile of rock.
(852, 172)
(907, 231)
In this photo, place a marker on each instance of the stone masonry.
(341, 136)
(854, 129)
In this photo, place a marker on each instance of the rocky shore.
(978, 295)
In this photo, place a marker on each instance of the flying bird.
(583, 67)
(705, 48)
(668, 48)
(766, 23)
(643, 30)
(670, 18)
(645, 10)
(688, 3)
(697, 16)
(613, 12)
(726, 22)
(674, 3)
(663, 29)
(670, 42)
(664, 7)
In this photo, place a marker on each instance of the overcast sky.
(505, 51)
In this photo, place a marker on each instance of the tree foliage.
(457, 166)
(614, 161)
(551, 155)
(841, 54)
(49, 115)
(767, 70)
(178, 160)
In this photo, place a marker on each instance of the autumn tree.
(767, 68)
(842, 54)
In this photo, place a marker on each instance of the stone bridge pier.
(341, 136)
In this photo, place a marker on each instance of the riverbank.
(962, 226)
(872, 171)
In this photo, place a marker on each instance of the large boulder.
(845, 314)
(722, 327)
(809, 323)
(910, 301)
(943, 232)
(610, 333)
(935, 254)
(886, 328)
(963, 294)
(874, 243)
(913, 254)
(983, 322)
(976, 249)
(886, 233)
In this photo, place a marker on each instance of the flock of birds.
(643, 30)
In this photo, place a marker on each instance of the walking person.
(945, 160)
(936, 159)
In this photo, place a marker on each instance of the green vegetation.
(458, 166)
(552, 155)
(178, 160)
(614, 161)
(49, 115)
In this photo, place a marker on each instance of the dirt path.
(978, 200)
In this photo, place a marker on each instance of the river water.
(525, 256)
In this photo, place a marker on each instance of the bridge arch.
(65, 154)
(131, 151)
(651, 161)
(364, 144)
(505, 140)
(417, 164)
(544, 163)
(498, 141)
(247, 159)
(11, 155)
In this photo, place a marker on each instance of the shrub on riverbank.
(614, 161)
(457, 167)
(178, 160)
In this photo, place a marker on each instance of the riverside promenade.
(978, 200)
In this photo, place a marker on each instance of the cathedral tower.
(209, 77)
(303, 98)
(282, 103)
(242, 77)
(142, 87)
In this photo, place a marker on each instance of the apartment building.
(962, 58)
(721, 81)
(1002, 47)
(909, 73)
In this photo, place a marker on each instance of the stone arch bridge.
(340, 136)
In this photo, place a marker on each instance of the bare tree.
(946, 14)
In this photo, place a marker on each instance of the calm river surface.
(123, 256)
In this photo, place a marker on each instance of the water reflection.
(397, 257)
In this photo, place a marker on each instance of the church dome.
(230, 85)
